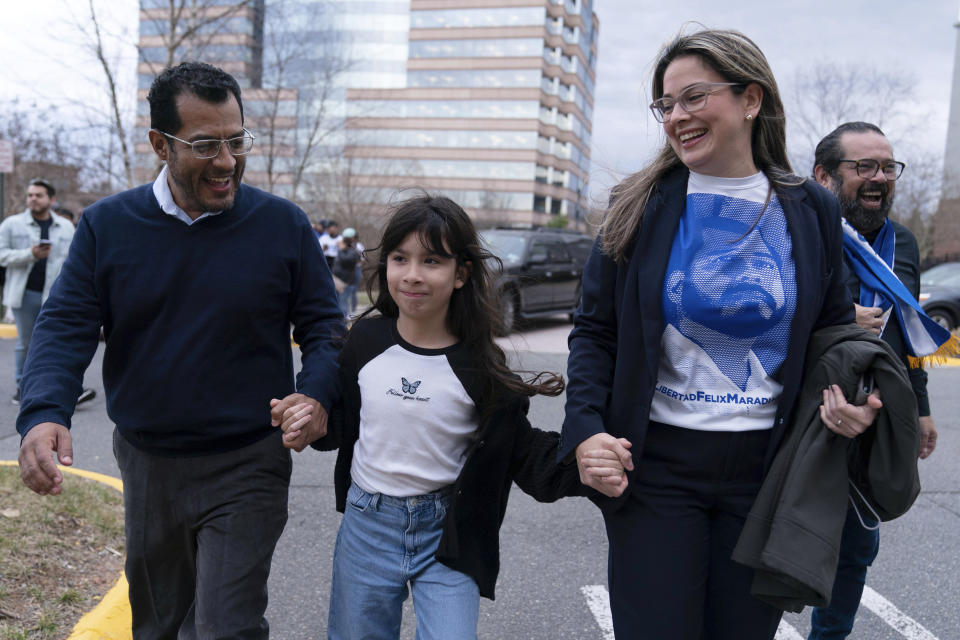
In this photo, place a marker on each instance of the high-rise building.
(946, 221)
(487, 101)
(227, 33)
(496, 110)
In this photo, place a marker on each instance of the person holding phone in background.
(33, 246)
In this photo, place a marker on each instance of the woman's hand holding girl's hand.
(846, 419)
(601, 459)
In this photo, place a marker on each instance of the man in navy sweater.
(195, 280)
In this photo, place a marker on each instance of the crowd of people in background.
(718, 286)
(344, 256)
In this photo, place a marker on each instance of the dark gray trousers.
(200, 536)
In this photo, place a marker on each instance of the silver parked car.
(940, 294)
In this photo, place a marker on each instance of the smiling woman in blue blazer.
(713, 267)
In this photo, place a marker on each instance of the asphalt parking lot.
(553, 557)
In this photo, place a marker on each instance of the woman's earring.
(749, 116)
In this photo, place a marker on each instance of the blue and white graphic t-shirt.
(729, 298)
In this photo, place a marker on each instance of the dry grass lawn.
(58, 554)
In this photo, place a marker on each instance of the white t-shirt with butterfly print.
(416, 418)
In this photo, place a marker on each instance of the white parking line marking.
(786, 632)
(907, 626)
(599, 603)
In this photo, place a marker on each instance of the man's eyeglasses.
(867, 168)
(692, 99)
(206, 149)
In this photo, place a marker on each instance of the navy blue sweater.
(196, 319)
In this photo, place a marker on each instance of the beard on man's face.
(864, 220)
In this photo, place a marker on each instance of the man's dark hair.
(66, 213)
(40, 182)
(202, 80)
(828, 152)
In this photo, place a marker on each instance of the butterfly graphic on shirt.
(409, 387)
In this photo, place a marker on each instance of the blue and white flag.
(927, 342)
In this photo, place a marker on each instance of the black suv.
(541, 270)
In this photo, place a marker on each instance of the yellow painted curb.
(8, 330)
(111, 618)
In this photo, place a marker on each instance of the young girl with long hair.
(432, 429)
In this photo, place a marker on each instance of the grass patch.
(58, 554)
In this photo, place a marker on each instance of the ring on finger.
(839, 421)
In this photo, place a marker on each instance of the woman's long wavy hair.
(738, 59)
(445, 229)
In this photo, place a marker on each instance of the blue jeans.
(348, 299)
(352, 289)
(25, 317)
(858, 550)
(343, 299)
(384, 544)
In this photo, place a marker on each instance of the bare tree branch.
(917, 196)
(43, 146)
(110, 77)
(313, 67)
(827, 95)
(190, 25)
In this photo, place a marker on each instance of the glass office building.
(487, 101)
(226, 33)
(496, 109)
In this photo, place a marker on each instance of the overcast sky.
(916, 37)
(913, 36)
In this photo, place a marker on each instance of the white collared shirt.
(161, 190)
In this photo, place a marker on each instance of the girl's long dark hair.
(446, 230)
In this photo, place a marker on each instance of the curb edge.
(110, 619)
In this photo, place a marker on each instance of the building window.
(442, 109)
(474, 78)
(509, 17)
(480, 48)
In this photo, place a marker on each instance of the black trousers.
(670, 572)
(200, 536)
